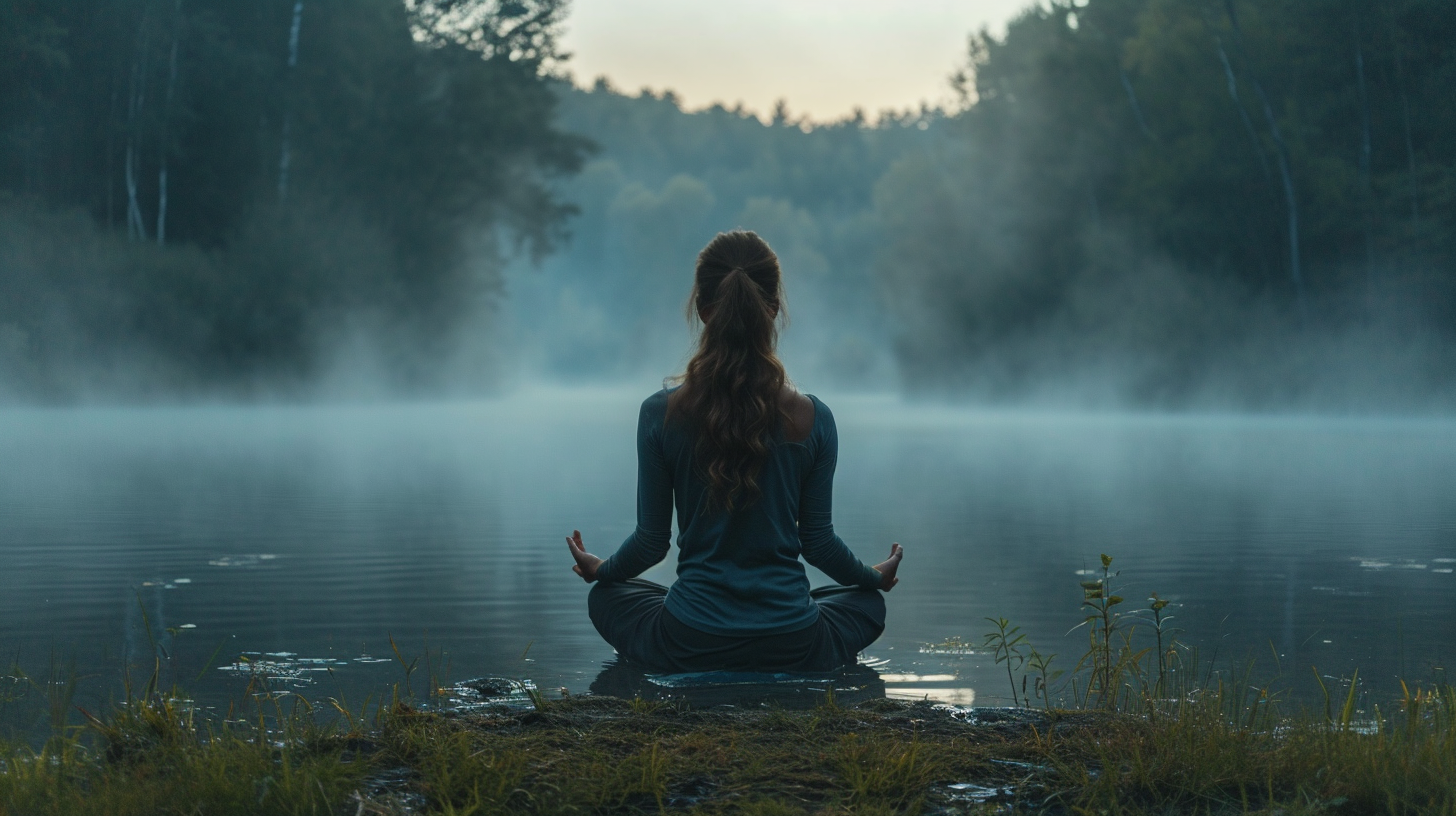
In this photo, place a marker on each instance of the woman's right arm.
(650, 542)
(821, 547)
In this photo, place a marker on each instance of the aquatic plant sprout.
(1006, 645)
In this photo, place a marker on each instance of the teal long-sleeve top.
(738, 573)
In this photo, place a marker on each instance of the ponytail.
(740, 317)
(731, 389)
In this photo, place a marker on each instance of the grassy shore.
(1148, 729)
(587, 755)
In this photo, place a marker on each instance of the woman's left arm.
(650, 542)
(817, 541)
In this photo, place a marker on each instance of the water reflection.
(325, 531)
(940, 688)
(484, 693)
(948, 695)
(282, 668)
(707, 689)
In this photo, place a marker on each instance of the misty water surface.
(317, 532)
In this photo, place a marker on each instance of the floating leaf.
(1106, 560)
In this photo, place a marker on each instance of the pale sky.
(824, 56)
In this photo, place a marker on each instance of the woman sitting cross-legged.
(748, 463)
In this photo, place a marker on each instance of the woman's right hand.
(889, 567)
(586, 563)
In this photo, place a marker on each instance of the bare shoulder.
(800, 412)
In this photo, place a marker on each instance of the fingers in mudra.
(888, 568)
(586, 563)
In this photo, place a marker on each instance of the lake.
(300, 539)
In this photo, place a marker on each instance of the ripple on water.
(281, 667)
(977, 794)
(490, 692)
(165, 584)
(949, 646)
(960, 697)
(243, 561)
(1379, 564)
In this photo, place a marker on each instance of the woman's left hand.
(889, 567)
(586, 563)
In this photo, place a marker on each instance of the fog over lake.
(317, 532)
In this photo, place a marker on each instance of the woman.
(749, 464)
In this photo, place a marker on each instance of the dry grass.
(601, 755)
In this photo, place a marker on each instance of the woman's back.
(738, 570)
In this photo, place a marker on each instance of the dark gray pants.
(631, 616)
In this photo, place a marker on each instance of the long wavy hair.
(731, 390)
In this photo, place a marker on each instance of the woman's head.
(743, 252)
(731, 390)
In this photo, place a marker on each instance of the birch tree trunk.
(285, 156)
(133, 210)
(1365, 157)
(111, 158)
(1410, 149)
(1233, 89)
(136, 228)
(1137, 109)
(165, 138)
(1281, 154)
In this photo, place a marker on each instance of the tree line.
(1180, 200)
(197, 193)
(1152, 202)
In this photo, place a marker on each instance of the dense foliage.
(1173, 201)
(196, 192)
(1152, 202)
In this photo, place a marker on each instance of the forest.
(209, 197)
(1188, 202)
(1162, 203)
